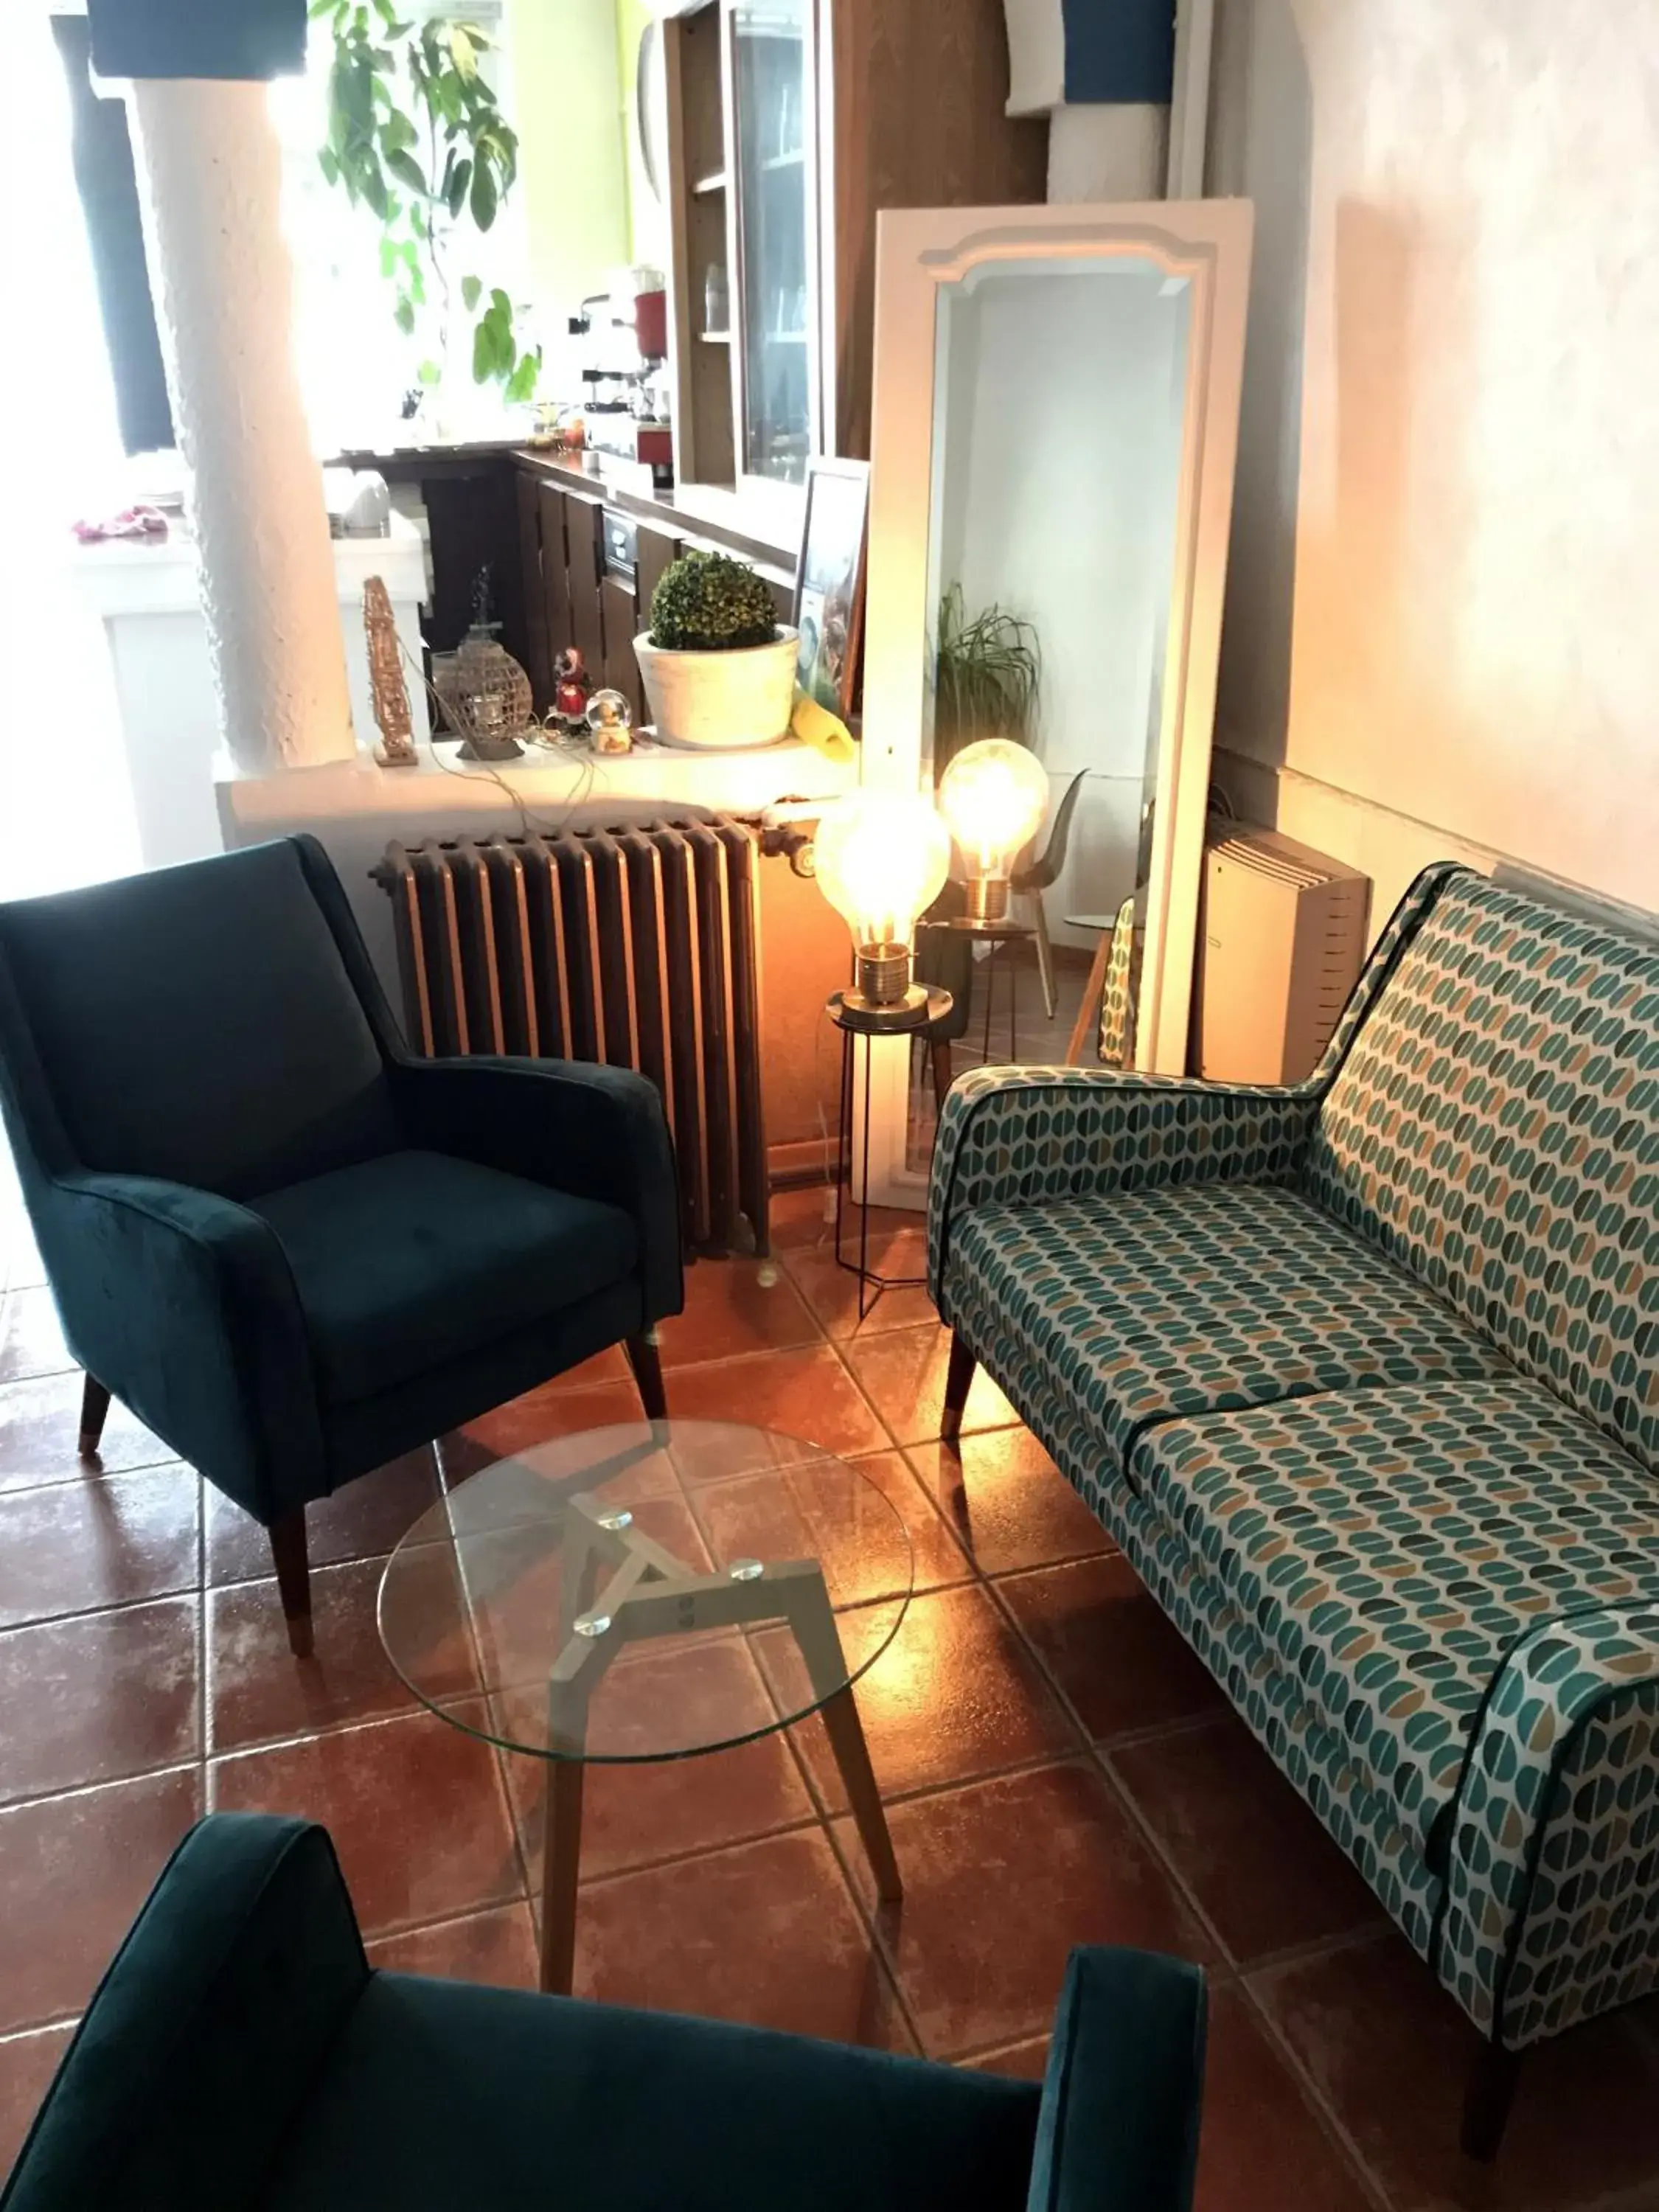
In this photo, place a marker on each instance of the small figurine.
(570, 690)
(610, 723)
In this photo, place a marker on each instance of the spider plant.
(987, 677)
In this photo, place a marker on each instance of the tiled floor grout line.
(87, 1472)
(798, 1827)
(1315, 2098)
(869, 1920)
(1149, 1836)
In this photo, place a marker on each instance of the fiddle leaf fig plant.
(416, 134)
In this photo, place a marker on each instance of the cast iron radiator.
(639, 947)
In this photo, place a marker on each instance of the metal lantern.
(485, 692)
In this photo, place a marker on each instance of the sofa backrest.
(1494, 1126)
(199, 1023)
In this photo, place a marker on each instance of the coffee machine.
(625, 384)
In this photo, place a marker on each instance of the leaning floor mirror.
(1056, 421)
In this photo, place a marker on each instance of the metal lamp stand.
(856, 1017)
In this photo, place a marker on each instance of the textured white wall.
(1441, 629)
(210, 176)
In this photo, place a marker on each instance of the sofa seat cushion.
(416, 1258)
(445, 2097)
(1391, 1546)
(1140, 1308)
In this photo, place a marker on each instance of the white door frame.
(1207, 246)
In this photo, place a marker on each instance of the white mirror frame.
(1207, 243)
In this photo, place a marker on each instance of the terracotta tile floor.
(1056, 1766)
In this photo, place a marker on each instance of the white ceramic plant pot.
(721, 701)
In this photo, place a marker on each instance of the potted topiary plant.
(719, 667)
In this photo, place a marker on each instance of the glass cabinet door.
(772, 90)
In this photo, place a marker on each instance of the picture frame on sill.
(829, 605)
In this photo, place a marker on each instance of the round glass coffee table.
(650, 1592)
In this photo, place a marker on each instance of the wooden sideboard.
(538, 525)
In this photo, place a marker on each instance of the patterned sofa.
(1361, 1374)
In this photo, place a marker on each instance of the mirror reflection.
(1058, 389)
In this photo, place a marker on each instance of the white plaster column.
(210, 173)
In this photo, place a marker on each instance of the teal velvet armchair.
(291, 1248)
(242, 2054)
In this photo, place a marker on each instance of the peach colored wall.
(804, 957)
(1441, 631)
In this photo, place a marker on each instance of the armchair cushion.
(439, 2095)
(1150, 1305)
(404, 1262)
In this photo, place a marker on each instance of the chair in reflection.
(1040, 875)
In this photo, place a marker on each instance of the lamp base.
(866, 1016)
(988, 897)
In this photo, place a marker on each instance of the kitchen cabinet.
(790, 123)
(594, 564)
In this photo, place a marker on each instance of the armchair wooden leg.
(958, 1380)
(95, 1405)
(643, 1358)
(943, 1073)
(287, 1550)
(1486, 2101)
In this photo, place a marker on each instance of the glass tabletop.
(646, 1592)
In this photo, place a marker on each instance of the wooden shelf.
(716, 183)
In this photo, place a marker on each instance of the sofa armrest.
(1122, 2098)
(596, 1132)
(1549, 1849)
(207, 2032)
(184, 1304)
(1021, 1136)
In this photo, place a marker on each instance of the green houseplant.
(987, 677)
(417, 135)
(719, 667)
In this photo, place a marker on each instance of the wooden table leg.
(841, 1718)
(562, 1851)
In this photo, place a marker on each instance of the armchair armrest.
(184, 1304)
(1118, 2127)
(207, 2032)
(1548, 1851)
(1019, 1136)
(596, 1132)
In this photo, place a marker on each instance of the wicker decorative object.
(385, 679)
(486, 696)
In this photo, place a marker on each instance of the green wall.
(567, 107)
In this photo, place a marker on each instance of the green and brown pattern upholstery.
(1362, 1376)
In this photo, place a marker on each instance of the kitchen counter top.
(767, 530)
(764, 527)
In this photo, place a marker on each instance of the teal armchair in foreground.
(241, 2053)
(293, 1249)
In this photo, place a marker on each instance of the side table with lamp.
(881, 857)
(994, 797)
